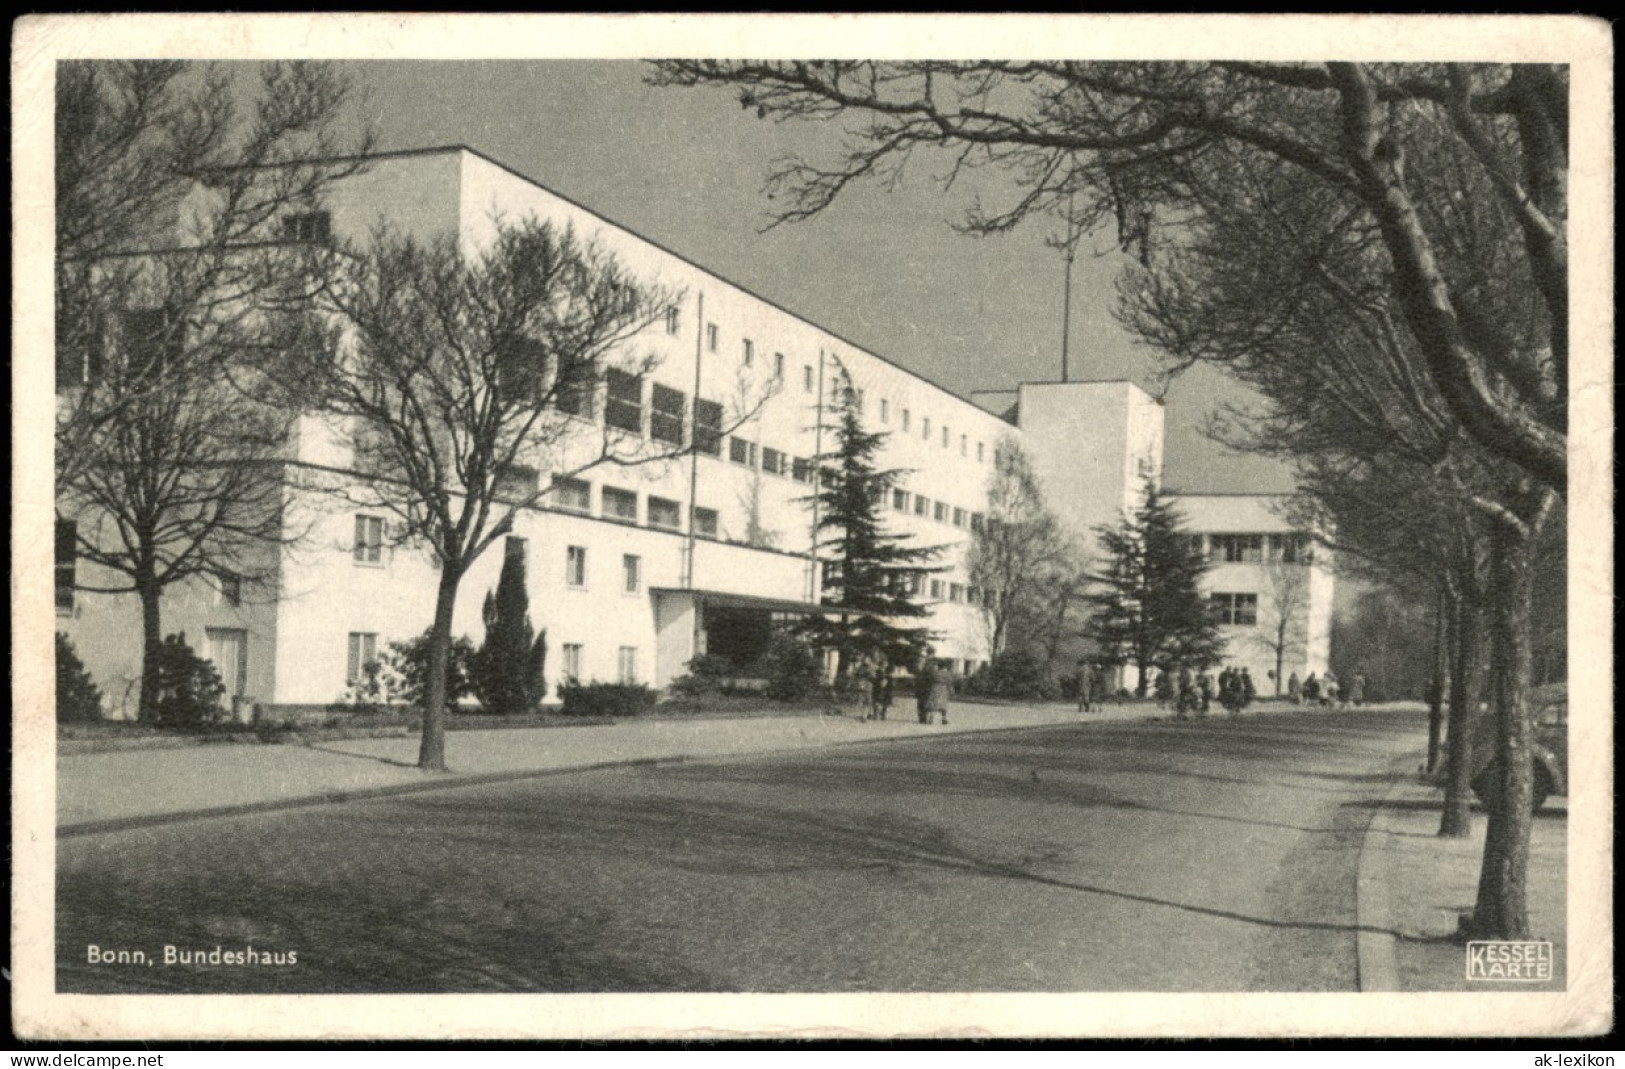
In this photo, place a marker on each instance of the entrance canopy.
(724, 599)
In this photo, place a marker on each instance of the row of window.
(1252, 548)
(941, 511)
(362, 650)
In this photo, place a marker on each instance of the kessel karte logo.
(1509, 962)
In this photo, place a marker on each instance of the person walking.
(1329, 692)
(1294, 688)
(863, 685)
(1357, 690)
(883, 688)
(1311, 689)
(1248, 691)
(1086, 687)
(1187, 699)
(1204, 687)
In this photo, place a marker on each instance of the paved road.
(1213, 855)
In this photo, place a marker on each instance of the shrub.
(793, 668)
(189, 689)
(404, 670)
(707, 676)
(606, 699)
(1015, 673)
(78, 699)
(507, 670)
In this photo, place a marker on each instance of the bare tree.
(1286, 600)
(466, 376)
(1019, 548)
(169, 180)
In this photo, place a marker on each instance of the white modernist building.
(634, 571)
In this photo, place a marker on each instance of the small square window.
(310, 228)
(620, 505)
(705, 523)
(230, 587)
(801, 470)
(741, 451)
(774, 462)
(572, 494)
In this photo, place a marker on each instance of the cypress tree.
(1151, 611)
(508, 667)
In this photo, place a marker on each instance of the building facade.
(633, 570)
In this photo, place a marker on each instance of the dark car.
(1549, 752)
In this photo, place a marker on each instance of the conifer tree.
(1151, 611)
(508, 667)
(869, 574)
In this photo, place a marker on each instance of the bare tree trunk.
(1441, 668)
(432, 749)
(152, 641)
(1457, 821)
(1502, 910)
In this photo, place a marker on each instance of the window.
(311, 228)
(1288, 548)
(572, 494)
(801, 470)
(663, 513)
(778, 365)
(667, 410)
(369, 540)
(956, 593)
(707, 427)
(857, 396)
(711, 336)
(575, 566)
(945, 437)
(916, 583)
(922, 505)
(1235, 608)
(631, 572)
(807, 378)
(154, 339)
(906, 417)
(626, 665)
(515, 482)
(936, 590)
(1238, 548)
(623, 401)
(67, 559)
(899, 500)
(977, 522)
(513, 548)
(1197, 545)
(362, 652)
(773, 461)
(978, 452)
(230, 589)
(973, 595)
(672, 320)
(620, 505)
(964, 444)
(940, 512)
(705, 523)
(747, 354)
(574, 388)
(885, 411)
(742, 452)
(925, 428)
(959, 517)
(572, 662)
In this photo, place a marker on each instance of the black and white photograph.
(786, 526)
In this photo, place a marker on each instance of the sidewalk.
(1425, 883)
(107, 790)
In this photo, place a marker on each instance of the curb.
(1375, 944)
(450, 780)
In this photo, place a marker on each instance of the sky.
(882, 267)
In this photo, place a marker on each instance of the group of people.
(876, 678)
(1326, 690)
(1195, 692)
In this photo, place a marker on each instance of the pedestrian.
(863, 686)
(1329, 693)
(1311, 689)
(1248, 691)
(925, 686)
(1086, 687)
(1187, 699)
(1294, 688)
(883, 688)
(1357, 690)
(1204, 688)
(934, 689)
